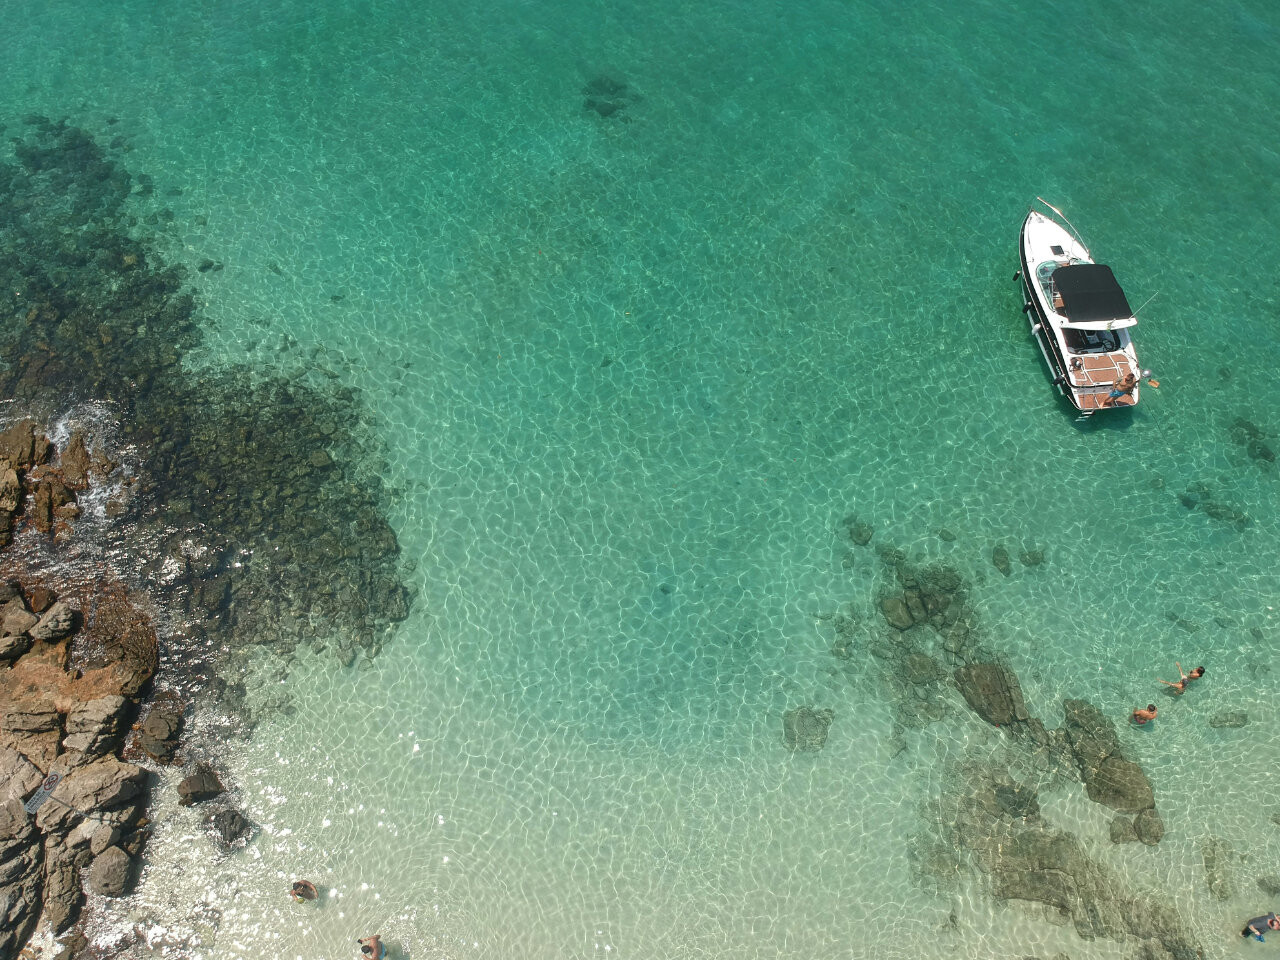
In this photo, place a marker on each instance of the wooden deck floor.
(1100, 371)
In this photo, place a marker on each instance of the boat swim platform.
(1102, 400)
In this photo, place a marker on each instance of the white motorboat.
(1079, 315)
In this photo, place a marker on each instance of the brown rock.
(1149, 826)
(10, 491)
(100, 786)
(200, 786)
(40, 600)
(15, 619)
(17, 443)
(62, 895)
(20, 877)
(111, 873)
(74, 463)
(58, 622)
(12, 647)
(19, 777)
(992, 691)
(896, 612)
(50, 494)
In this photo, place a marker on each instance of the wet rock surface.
(66, 702)
(203, 784)
(230, 828)
(159, 732)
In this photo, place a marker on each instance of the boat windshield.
(1090, 341)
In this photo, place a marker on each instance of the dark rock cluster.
(1255, 440)
(607, 97)
(1199, 495)
(993, 820)
(259, 501)
(805, 729)
(64, 715)
(928, 647)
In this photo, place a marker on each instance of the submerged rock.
(1217, 855)
(1149, 826)
(1229, 718)
(1270, 884)
(896, 613)
(1017, 801)
(1109, 778)
(1000, 558)
(993, 692)
(804, 729)
(1122, 830)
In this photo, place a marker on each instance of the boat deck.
(1099, 370)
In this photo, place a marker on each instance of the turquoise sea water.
(633, 371)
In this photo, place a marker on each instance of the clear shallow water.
(632, 372)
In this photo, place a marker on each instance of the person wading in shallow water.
(1180, 687)
(1141, 716)
(303, 890)
(1259, 925)
(372, 947)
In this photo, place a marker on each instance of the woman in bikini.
(1180, 687)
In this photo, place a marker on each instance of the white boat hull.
(1078, 316)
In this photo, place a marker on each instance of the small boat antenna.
(1064, 220)
(1146, 301)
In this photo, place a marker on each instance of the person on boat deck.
(1123, 387)
(1141, 716)
(1180, 687)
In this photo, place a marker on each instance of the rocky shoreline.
(82, 728)
(76, 662)
(183, 514)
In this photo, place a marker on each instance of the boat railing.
(1065, 222)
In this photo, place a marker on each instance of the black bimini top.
(1090, 292)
